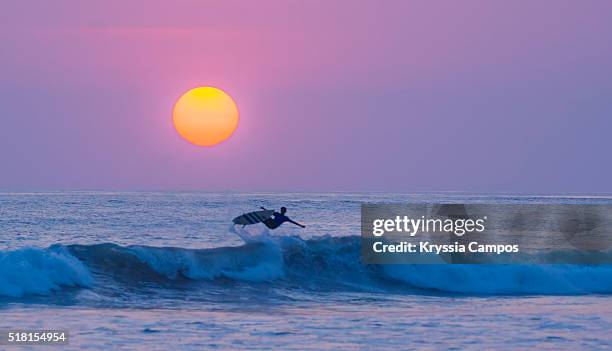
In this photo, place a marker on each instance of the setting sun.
(205, 116)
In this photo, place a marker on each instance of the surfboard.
(253, 217)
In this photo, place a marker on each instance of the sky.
(392, 96)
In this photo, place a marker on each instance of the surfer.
(279, 218)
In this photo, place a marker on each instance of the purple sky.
(481, 96)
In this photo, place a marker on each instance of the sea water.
(154, 271)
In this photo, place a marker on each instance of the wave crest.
(32, 271)
(321, 264)
(255, 262)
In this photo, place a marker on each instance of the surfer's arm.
(296, 223)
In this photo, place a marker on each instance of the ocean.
(159, 271)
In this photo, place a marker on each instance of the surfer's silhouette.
(279, 218)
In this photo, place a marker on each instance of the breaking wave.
(36, 271)
(320, 264)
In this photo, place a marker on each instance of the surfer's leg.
(270, 223)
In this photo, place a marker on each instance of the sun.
(205, 116)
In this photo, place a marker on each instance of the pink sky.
(334, 95)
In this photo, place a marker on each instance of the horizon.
(603, 195)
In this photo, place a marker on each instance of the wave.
(251, 262)
(322, 264)
(36, 271)
(507, 279)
